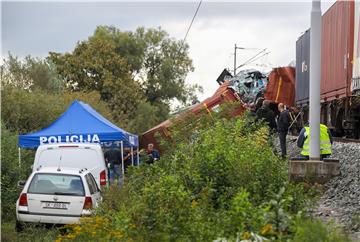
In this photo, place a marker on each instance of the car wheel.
(19, 227)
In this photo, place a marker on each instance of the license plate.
(55, 205)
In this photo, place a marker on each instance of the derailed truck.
(244, 90)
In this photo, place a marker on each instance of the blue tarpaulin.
(80, 123)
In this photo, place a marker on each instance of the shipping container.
(355, 85)
(337, 43)
(302, 69)
(281, 86)
(340, 66)
(224, 94)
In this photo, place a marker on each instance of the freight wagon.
(224, 94)
(280, 88)
(340, 85)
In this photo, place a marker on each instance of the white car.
(55, 195)
(74, 155)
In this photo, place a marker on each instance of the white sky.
(36, 28)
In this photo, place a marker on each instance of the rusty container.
(281, 86)
(337, 43)
(224, 94)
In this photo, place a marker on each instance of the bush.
(24, 111)
(12, 172)
(309, 230)
(31, 233)
(222, 182)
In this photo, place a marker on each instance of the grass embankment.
(221, 181)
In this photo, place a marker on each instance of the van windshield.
(57, 184)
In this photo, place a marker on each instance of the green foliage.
(160, 62)
(94, 65)
(145, 117)
(134, 72)
(31, 233)
(30, 74)
(24, 111)
(315, 231)
(219, 182)
(12, 172)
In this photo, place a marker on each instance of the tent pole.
(19, 156)
(122, 158)
(132, 156)
(137, 154)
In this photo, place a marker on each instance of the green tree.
(94, 65)
(160, 63)
(128, 68)
(30, 74)
(24, 111)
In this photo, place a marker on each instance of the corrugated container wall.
(355, 85)
(302, 68)
(337, 50)
(281, 86)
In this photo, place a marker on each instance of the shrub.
(12, 172)
(219, 182)
(313, 230)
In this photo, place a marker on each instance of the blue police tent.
(80, 123)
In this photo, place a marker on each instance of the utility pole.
(235, 60)
(315, 70)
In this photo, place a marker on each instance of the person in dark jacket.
(113, 161)
(152, 153)
(283, 124)
(267, 115)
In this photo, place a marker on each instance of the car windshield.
(57, 184)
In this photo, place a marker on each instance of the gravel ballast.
(341, 198)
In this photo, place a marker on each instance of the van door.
(94, 189)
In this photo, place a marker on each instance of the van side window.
(92, 184)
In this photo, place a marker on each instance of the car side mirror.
(21, 183)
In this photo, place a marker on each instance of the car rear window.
(57, 184)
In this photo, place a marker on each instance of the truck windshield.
(57, 184)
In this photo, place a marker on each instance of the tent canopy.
(80, 123)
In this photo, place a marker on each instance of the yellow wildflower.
(266, 229)
(71, 236)
(246, 235)
(194, 203)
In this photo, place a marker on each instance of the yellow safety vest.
(325, 144)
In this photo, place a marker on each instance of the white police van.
(73, 155)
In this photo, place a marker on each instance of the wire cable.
(192, 21)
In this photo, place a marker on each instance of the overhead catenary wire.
(192, 21)
(255, 57)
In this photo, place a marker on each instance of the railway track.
(345, 140)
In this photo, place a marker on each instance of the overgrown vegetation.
(221, 183)
(217, 180)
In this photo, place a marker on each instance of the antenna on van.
(59, 169)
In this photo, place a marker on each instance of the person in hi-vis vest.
(326, 141)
